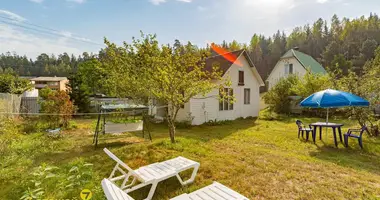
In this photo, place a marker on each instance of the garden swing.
(118, 126)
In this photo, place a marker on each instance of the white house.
(246, 82)
(293, 62)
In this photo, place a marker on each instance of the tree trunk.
(171, 127)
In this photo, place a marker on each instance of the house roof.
(225, 64)
(28, 77)
(41, 78)
(306, 61)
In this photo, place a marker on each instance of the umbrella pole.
(327, 121)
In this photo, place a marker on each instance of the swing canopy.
(124, 106)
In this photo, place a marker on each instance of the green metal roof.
(306, 61)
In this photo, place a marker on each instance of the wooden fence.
(9, 104)
(29, 105)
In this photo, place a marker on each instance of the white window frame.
(225, 103)
(286, 68)
(291, 66)
(247, 98)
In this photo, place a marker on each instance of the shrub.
(183, 124)
(277, 96)
(311, 83)
(218, 122)
(254, 119)
(365, 85)
(268, 115)
(12, 83)
(58, 104)
(8, 133)
(33, 125)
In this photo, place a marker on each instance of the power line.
(58, 114)
(8, 18)
(52, 32)
(74, 114)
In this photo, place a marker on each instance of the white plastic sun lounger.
(215, 191)
(151, 174)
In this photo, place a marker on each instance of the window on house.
(247, 95)
(221, 101)
(286, 69)
(241, 78)
(41, 82)
(183, 95)
(225, 102)
(225, 99)
(290, 68)
(231, 94)
(53, 83)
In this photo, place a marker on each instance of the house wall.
(204, 109)
(31, 93)
(63, 85)
(183, 113)
(55, 85)
(278, 71)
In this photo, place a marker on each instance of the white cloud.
(25, 43)
(37, 1)
(77, 1)
(69, 35)
(201, 8)
(273, 4)
(12, 15)
(322, 1)
(157, 2)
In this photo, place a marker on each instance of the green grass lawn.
(261, 160)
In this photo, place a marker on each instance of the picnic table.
(334, 126)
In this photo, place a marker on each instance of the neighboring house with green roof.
(293, 62)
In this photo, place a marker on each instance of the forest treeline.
(338, 43)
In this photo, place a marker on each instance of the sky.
(32, 27)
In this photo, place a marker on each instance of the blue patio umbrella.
(333, 99)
